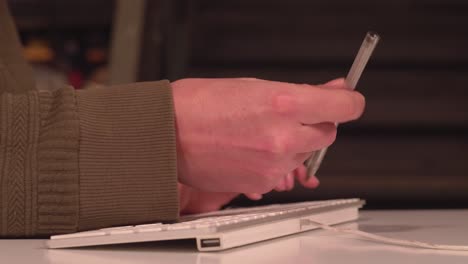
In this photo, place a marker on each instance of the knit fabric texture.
(79, 160)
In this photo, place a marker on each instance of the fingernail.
(258, 197)
(254, 196)
(314, 180)
(335, 82)
(290, 181)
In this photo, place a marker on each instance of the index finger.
(312, 104)
(339, 83)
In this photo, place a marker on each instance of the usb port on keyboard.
(210, 242)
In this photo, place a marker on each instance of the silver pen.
(368, 45)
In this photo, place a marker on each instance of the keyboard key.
(149, 229)
(122, 231)
(204, 225)
(181, 226)
(149, 225)
(80, 235)
(116, 228)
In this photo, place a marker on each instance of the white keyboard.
(224, 229)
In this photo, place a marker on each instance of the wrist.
(184, 197)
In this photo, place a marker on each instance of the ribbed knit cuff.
(39, 163)
(127, 155)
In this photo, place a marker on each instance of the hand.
(246, 135)
(194, 201)
(287, 183)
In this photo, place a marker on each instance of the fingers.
(199, 201)
(331, 102)
(301, 175)
(301, 157)
(289, 181)
(335, 84)
(297, 140)
(254, 196)
(309, 104)
(281, 186)
(312, 138)
(320, 105)
(286, 183)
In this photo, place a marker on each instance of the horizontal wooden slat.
(250, 45)
(57, 14)
(416, 157)
(395, 169)
(249, 31)
(334, 6)
(394, 172)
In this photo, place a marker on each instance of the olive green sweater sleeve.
(127, 155)
(72, 161)
(81, 161)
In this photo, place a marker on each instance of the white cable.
(387, 240)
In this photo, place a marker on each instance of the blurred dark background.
(410, 150)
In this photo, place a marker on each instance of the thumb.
(339, 83)
(301, 176)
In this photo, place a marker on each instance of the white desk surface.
(315, 247)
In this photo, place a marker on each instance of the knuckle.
(268, 179)
(263, 188)
(272, 172)
(325, 137)
(249, 79)
(279, 143)
(283, 103)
